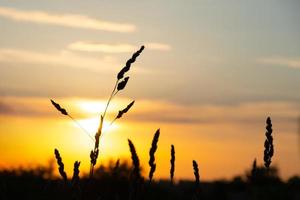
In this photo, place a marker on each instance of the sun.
(91, 125)
(92, 110)
(91, 107)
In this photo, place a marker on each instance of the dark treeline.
(113, 182)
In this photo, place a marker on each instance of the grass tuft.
(61, 167)
(152, 151)
(135, 160)
(172, 161)
(75, 178)
(269, 148)
(196, 173)
(129, 62)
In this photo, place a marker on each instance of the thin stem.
(116, 92)
(91, 171)
(107, 128)
(111, 123)
(113, 93)
(110, 98)
(99, 133)
(81, 128)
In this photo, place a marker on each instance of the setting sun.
(91, 107)
(92, 124)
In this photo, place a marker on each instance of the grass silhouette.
(152, 154)
(120, 180)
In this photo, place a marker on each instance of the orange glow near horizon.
(30, 140)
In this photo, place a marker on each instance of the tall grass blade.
(269, 148)
(152, 151)
(129, 62)
(61, 167)
(172, 161)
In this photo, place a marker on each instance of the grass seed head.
(135, 160)
(152, 151)
(60, 165)
(172, 161)
(269, 148)
(196, 173)
(129, 62)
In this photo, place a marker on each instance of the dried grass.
(196, 173)
(75, 178)
(61, 167)
(152, 151)
(172, 161)
(269, 148)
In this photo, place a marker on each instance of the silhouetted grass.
(120, 84)
(269, 148)
(123, 181)
(152, 155)
(61, 167)
(106, 184)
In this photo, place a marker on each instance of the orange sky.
(209, 134)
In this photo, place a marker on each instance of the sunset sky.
(211, 73)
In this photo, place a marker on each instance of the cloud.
(99, 47)
(281, 61)
(25, 107)
(245, 113)
(63, 58)
(66, 20)
(155, 111)
(5, 109)
(158, 46)
(114, 48)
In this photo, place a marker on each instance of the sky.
(211, 73)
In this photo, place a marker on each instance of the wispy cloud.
(159, 111)
(5, 109)
(158, 46)
(63, 58)
(281, 61)
(99, 47)
(251, 112)
(67, 20)
(15, 107)
(114, 48)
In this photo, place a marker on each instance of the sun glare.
(91, 125)
(93, 107)
(98, 106)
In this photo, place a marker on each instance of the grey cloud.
(5, 109)
(168, 118)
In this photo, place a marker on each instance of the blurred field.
(114, 183)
